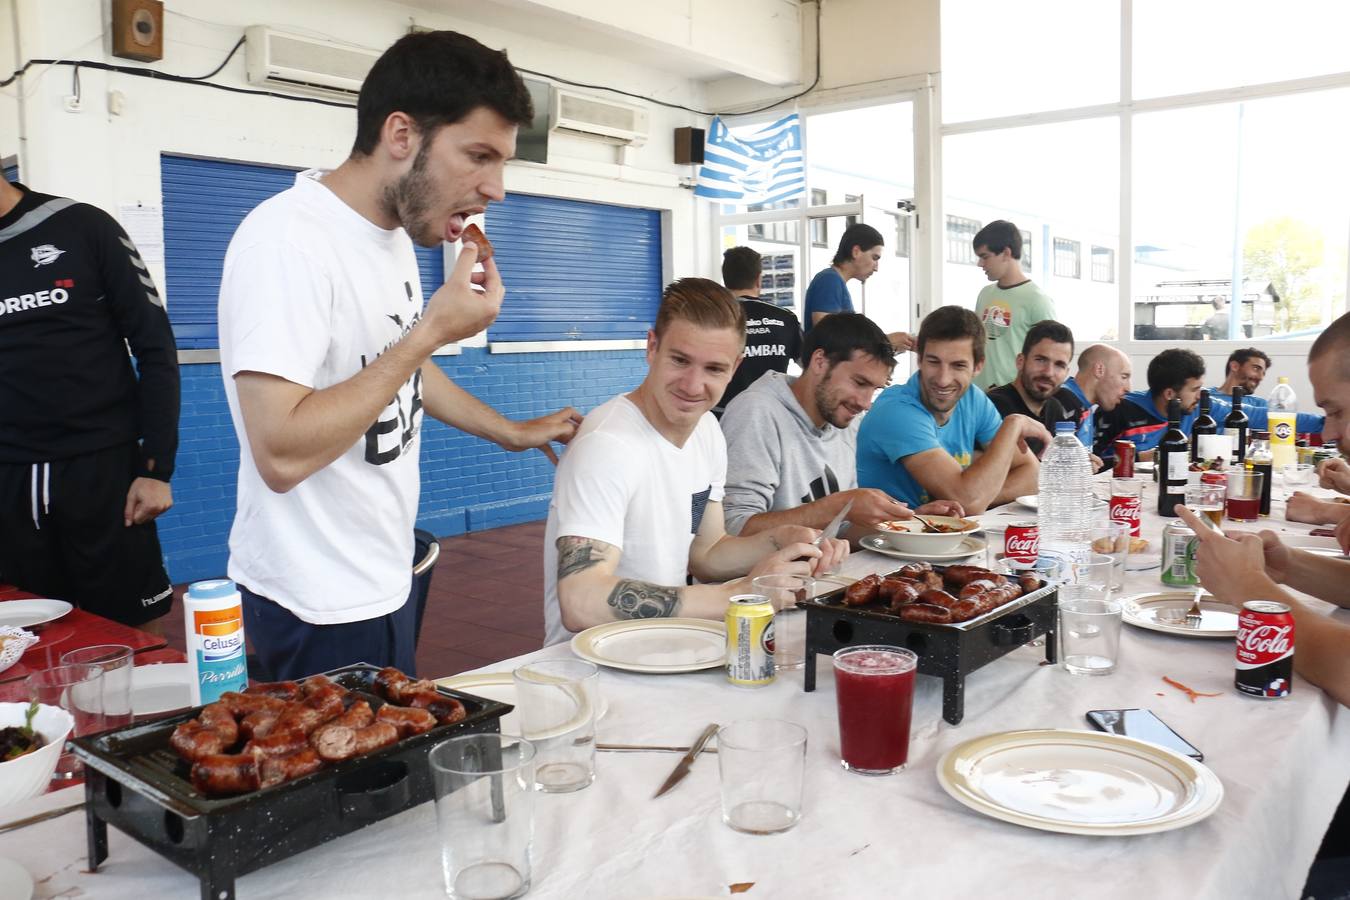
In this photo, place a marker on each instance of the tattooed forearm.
(577, 554)
(640, 600)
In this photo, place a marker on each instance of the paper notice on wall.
(144, 224)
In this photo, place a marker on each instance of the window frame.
(1068, 257)
(960, 231)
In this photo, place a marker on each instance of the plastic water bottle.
(1065, 499)
(1283, 417)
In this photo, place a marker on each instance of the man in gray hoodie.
(791, 450)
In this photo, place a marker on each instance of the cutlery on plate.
(1193, 615)
(682, 767)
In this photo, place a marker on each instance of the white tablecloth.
(1284, 764)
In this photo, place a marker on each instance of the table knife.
(832, 529)
(682, 767)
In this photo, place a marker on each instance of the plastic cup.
(116, 661)
(557, 701)
(874, 691)
(789, 622)
(760, 764)
(485, 814)
(1089, 631)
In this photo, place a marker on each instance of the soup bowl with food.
(25, 773)
(943, 535)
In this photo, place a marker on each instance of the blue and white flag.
(753, 165)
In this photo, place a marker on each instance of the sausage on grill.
(276, 769)
(282, 690)
(938, 598)
(226, 773)
(335, 743)
(447, 710)
(408, 721)
(925, 612)
(863, 591)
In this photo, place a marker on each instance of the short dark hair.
(702, 302)
(1336, 337)
(437, 78)
(999, 235)
(1241, 356)
(1047, 330)
(864, 237)
(840, 335)
(741, 268)
(951, 323)
(1172, 369)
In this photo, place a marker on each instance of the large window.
(960, 232)
(1231, 133)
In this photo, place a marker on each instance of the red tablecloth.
(72, 631)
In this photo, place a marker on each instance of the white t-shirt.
(623, 483)
(312, 292)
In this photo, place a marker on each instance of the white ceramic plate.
(655, 645)
(1142, 562)
(1079, 782)
(1030, 501)
(22, 613)
(15, 882)
(500, 686)
(1217, 620)
(160, 688)
(969, 547)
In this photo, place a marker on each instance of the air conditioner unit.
(278, 59)
(621, 123)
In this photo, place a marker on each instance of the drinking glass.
(116, 661)
(1049, 565)
(1207, 502)
(1298, 475)
(485, 814)
(874, 691)
(557, 701)
(1109, 537)
(789, 622)
(760, 764)
(1089, 631)
(1244, 495)
(78, 689)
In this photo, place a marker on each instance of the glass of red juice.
(874, 690)
(1244, 496)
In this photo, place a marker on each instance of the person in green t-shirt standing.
(1008, 307)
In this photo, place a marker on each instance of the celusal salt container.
(213, 613)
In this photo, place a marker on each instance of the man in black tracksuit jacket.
(87, 442)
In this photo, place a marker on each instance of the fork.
(1193, 615)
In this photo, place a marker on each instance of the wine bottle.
(1235, 428)
(1174, 462)
(1204, 430)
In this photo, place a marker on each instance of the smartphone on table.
(1144, 725)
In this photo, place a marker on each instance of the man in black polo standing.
(87, 441)
(773, 335)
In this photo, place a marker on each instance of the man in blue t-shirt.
(1247, 369)
(933, 438)
(858, 256)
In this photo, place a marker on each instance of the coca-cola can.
(1125, 503)
(1022, 541)
(1124, 459)
(1265, 650)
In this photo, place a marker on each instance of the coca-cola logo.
(1022, 543)
(1270, 641)
(1125, 509)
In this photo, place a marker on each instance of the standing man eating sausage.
(326, 355)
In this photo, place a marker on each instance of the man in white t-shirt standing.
(637, 501)
(326, 355)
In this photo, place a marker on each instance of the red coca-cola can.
(1265, 650)
(1022, 541)
(1125, 503)
(1124, 460)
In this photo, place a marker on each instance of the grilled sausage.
(315, 683)
(257, 724)
(966, 608)
(335, 743)
(978, 586)
(276, 769)
(222, 773)
(210, 733)
(408, 721)
(925, 612)
(914, 570)
(358, 715)
(938, 598)
(1028, 583)
(863, 591)
(244, 704)
(393, 685)
(447, 710)
(282, 690)
(896, 592)
(959, 576)
(474, 233)
(324, 704)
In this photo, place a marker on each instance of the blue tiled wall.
(467, 484)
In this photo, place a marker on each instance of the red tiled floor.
(486, 601)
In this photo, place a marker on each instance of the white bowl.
(908, 535)
(29, 775)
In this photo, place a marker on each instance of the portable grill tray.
(137, 783)
(951, 652)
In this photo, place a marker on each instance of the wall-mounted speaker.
(138, 29)
(689, 145)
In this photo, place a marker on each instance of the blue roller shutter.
(204, 202)
(575, 270)
(12, 173)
